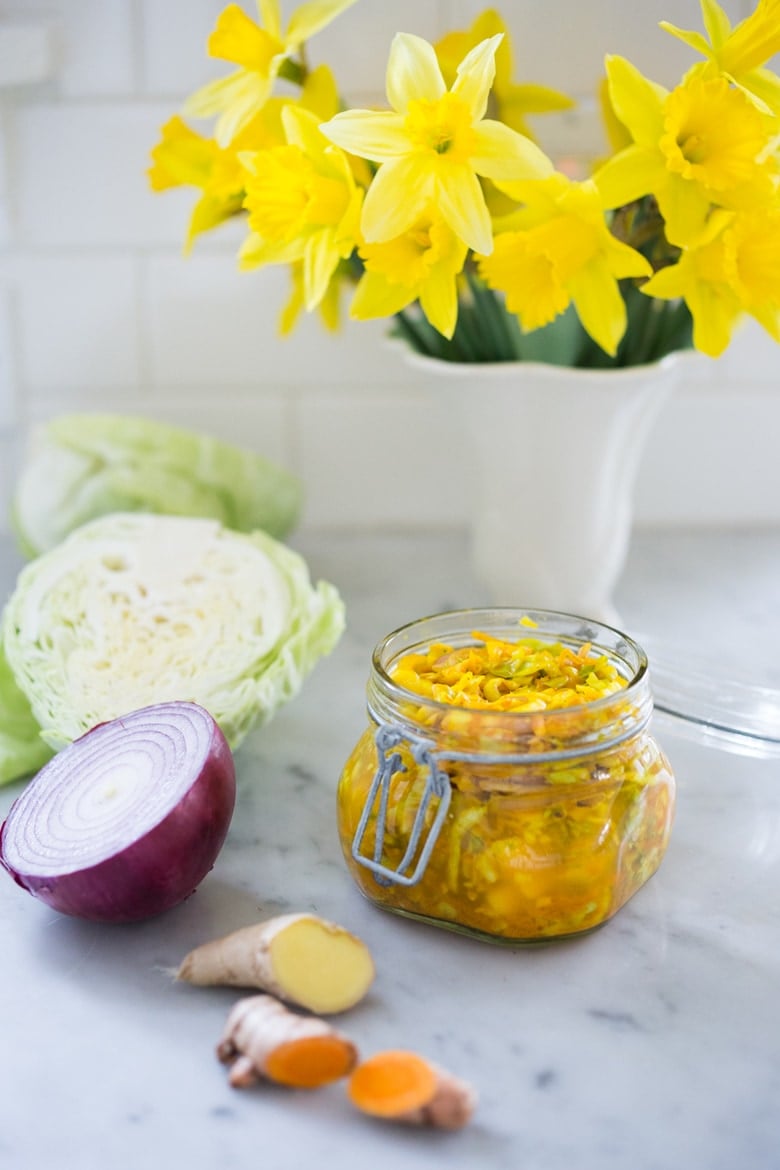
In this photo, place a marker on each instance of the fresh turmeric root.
(299, 958)
(402, 1086)
(264, 1040)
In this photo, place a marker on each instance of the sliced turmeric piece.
(299, 958)
(264, 1039)
(402, 1086)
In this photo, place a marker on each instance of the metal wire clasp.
(437, 786)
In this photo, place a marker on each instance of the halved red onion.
(126, 821)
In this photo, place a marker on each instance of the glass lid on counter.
(715, 701)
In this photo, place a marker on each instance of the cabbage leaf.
(82, 466)
(22, 750)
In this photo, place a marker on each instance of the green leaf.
(22, 751)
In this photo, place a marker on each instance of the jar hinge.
(437, 786)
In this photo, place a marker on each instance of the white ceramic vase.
(555, 455)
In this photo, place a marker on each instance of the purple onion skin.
(158, 870)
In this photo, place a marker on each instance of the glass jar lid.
(712, 702)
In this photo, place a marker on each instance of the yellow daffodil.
(700, 278)
(421, 264)
(558, 249)
(433, 143)
(704, 143)
(509, 101)
(443, 194)
(732, 271)
(185, 158)
(182, 158)
(329, 307)
(753, 242)
(303, 204)
(739, 53)
(260, 51)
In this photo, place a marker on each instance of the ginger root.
(299, 958)
(402, 1086)
(264, 1039)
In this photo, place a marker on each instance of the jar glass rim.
(558, 626)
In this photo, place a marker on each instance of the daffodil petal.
(413, 72)
(375, 297)
(291, 311)
(397, 195)
(694, 40)
(538, 200)
(461, 204)
(685, 208)
(377, 135)
(768, 317)
(319, 92)
(236, 98)
(230, 124)
(439, 301)
(716, 22)
(634, 172)
(330, 307)
(637, 102)
(599, 305)
(753, 41)
(238, 39)
(256, 253)
(181, 158)
(625, 261)
(208, 213)
(503, 154)
(302, 129)
(668, 284)
(310, 18)
(320, 260)
(271, 17)
(210, 99)
(764, 85)
(476, 74)
(714, 317)
(532, 98)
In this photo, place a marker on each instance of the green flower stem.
(493, 314)
(467, 334)
(408, 329)
(294, 71)
(487, 332)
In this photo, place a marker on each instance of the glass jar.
(515, 827)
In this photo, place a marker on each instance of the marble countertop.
(653, 1043)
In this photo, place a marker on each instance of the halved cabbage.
(135, 609)
(82, 466)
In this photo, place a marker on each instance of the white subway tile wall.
(99, 309)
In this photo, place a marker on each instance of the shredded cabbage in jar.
(526, 675)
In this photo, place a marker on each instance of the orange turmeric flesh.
(311, 1062)
(546, 844)
(392, 1083)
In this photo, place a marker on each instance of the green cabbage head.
(82, 466)
(134, 609)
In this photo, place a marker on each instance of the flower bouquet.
(444, 215)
